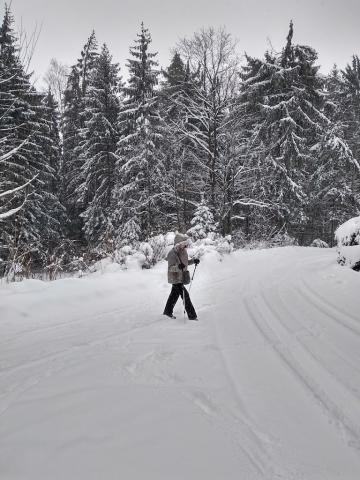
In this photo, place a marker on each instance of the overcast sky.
(330, 26)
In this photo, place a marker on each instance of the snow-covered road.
(95, 384)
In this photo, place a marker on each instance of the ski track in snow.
(269, 319)
(328, 350)
(282, 347)
(325, 306)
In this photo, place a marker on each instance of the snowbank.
(349, 232)
(349, 256)
(348, 240)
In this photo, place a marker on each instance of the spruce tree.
(23, 127)
(140, 170)
(99, 146)
(175, 75)
(282, 100)
(179, 162)
(75, 117)
(349, 102)
(86, 62)
(203, 221)
(71, 164)
(49, 141)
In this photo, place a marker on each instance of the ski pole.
(183, 297)
(193, 275)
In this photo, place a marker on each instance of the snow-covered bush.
(70, 260)
(348, 233)
(147, 251)
(347, 237)
(120, 255)
(319, 243)
(349, 257)
(212, 243)
(269, 240)
(224, 245)
(147, 254)
(159, 247)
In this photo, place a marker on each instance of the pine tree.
(140, 172)
(130, 233)
(99, 146)
(203, 221)
(283, 99)
(175, 91)
(86, 62)
(71, 165)
(333, 184)
(175, 75)
(23, 126)
(348, 102)
(331, 194)
(75, 117)
(49, 141)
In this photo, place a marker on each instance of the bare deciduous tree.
(211, 124)
(56, 79)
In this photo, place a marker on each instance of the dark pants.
(177, 291)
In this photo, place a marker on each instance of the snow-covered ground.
(95, 384)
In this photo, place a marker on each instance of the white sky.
(330, 26)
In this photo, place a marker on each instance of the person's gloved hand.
(196, 261)
(181, 266)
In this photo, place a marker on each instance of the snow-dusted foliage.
(273, 147)
(348, 233)
(348, 240)
(212, 243)
(349, 256)
(277, 240)
(73, 125)
(98, 147)
(318, 243)
(209, 128)
(297, 148)
(202, 222)
(29, 148)
(147, 254)
(130, 233)
(138, 192)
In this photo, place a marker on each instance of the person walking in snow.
(178, 275)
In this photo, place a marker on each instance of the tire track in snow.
(334, 413)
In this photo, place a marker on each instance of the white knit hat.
(180, 238)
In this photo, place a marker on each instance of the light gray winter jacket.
(175, 256)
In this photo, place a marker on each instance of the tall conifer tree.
(24, 129)
(75, 116)
(98, 147)
(140, 168)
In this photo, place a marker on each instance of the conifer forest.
(255, 147)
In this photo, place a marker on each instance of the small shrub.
(318, 243)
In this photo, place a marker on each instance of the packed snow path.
(96, 384)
